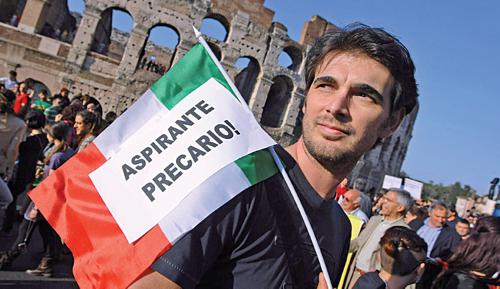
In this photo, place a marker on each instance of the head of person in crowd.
(77, 100)
(95, 108)
(476, 257)
(351, 200)
(13, 75)
(110, 117)
(64, 92)
(463, 228)
(23, 87)
(344, 117)
(402, 257)
(452, 215)
(415, 213)
(86, 123)
(395, 203)
(438, 214)
(2, 87)
(35, 119)
(43, 95)
(56, 134)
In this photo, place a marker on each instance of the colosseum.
(44, 40)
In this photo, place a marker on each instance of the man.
(11, 81)
(452, 218)
(357, 94)
(463, 228)
(394, 204)
(350, 204)
(12, 133)
(22, 98)
(52, 111)
(441, 240)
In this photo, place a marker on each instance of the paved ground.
(13, 277)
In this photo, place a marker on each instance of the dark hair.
(58, 131)
(90, 118)
(376, 44)
(13, 73)
(463, 221)
(35, 119)
(110, 116)
(402, 251)
(419, 212)
(477, 253)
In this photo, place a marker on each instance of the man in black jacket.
(441, 240)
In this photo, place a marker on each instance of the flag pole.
(277, 161)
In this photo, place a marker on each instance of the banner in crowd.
(180, 152)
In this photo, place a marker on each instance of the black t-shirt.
(258, 240)
(30, 151)
(370, 280)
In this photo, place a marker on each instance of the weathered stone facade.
(94, 60)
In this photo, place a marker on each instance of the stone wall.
(106, 64)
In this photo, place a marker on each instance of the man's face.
(91, 107)
(56, 102)
(350, 202)
(390, 205)
(347, 108)
(437, 217)
(23, 88)
(462, 229)
(81, 128)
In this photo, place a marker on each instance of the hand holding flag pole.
(277, 161)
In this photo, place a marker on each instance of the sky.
(455, 45)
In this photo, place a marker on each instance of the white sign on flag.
(173, 153)
(391, 182)
(414, 188)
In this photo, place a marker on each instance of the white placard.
(391, 182)
(414, 188)
(166, 159)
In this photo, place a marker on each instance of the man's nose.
(339, 103)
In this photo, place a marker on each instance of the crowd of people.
(150, 64)
(38, 133)
(424, 242)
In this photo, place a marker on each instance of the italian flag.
(70, 202)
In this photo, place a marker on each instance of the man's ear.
(392, 123)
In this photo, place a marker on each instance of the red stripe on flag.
(103, 257)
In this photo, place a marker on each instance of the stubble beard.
(338, 161)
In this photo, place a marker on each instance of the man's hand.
(322, 282)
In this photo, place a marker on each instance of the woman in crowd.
(476, 261)
(402, 257)
(30, 151)
(59, 154)
(86, 126)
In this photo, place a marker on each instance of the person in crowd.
(415, 216)
(350, 204)
(452, 217)
(11, 81)
(30, 151)
(341, 189)
(52, 111)
(357, 95)
(68, 115)
(463, 228)
(59, 154)
(476, 261)
(63, 95)
(395, 203)
(86, 124)
(441, 240)
(378, 202)
(22, 99)
(12, 133)
(402, 261)
(110, 117)
(42, 102)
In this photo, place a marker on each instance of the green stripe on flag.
(257, 166)
(191, 71)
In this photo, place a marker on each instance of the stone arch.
(159, 48)
(277, 101)
(293, 55)
(216, 26)
(11, 11)
(109, 40)
(216, 50)
(39, 86)
(249, 70)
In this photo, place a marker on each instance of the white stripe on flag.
(204, 200)
(144, 109)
